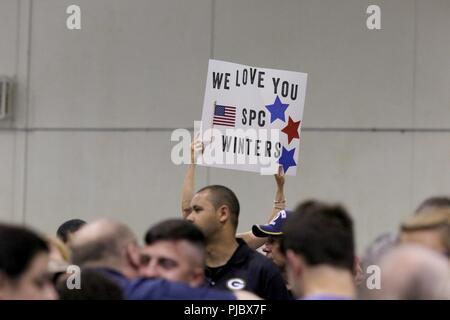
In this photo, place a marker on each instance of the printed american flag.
(224, 116)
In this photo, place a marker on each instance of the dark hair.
(307, 205)
(440, 202)
(18, 247)
(322, 234)
(221, 195)
(70, 226)
(174, 230)
(94, 286)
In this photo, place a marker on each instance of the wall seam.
(414, 106)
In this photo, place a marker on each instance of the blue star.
(277, 110)
(287, 159)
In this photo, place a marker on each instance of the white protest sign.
(251, 118)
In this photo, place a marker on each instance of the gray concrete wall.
(94, 108)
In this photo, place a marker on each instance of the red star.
(292, 129)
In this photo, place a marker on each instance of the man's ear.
(295, 262)
(198, 277)
(133, 254)
(224, 213)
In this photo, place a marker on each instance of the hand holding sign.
(279, 177)
(197, 147)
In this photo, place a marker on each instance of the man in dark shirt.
(112, 248)
(230, 263)
(250, 270)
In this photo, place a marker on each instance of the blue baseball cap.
(274, 228)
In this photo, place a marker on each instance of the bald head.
(102, 242)
(410, 272)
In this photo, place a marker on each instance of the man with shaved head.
(412, 272)
(230, 263)
(112, 248)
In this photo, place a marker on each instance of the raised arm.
(280, 201)
(189, 180)
(279, 204)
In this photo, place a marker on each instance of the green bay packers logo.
(236, 284)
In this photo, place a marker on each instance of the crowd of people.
(307, 252)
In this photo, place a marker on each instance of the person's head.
(430, 228)
(215, 208)
(93, 286)
(306, 205)
(439, 202)
(24, 258)
(318, 238)
(273, 232)
(174, 250)
(106, 244)
(68, 228)
(411, 272)
(272, 250)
